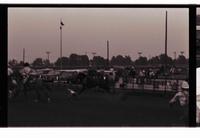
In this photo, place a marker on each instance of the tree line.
(75, 60)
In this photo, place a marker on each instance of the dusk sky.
(129, 31)
(198, 10)
(198, 13)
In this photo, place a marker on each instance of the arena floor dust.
(91, 108)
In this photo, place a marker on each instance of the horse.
(26, 83)
(14, 84)
(39, 85)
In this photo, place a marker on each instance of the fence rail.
(167, 85)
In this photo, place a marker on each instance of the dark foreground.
(91, 108)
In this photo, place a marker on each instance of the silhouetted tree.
(78, 60)
(46, 63)
(128, 60)
(165, 59)
(63, 60)
(154, 61)
(181, 60)
(38, 62)
(84, 60)
(121, 61)
(141, 61)
(99, 61)
(74, 60)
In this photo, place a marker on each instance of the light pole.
(93, 53)
(166, 33)
(48, 53)
(23, 58)
(107, 53)
(61, 25)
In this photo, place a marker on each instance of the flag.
(61, 23)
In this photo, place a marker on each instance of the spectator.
(182, 99)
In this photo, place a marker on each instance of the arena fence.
(165, 85)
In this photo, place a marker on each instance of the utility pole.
(23, 55)
(48, 53)
(93, 53)
(166, 34)
(107, 53)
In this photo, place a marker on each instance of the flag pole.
(107, 53)
(166, 34)
(165, 51)
(23, 55)
(60, 44)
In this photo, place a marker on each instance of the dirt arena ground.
(92, 108)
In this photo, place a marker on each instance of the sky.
(198, 13)
(129, 31)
